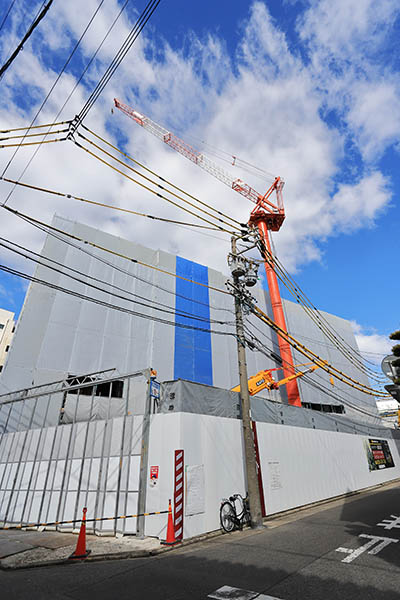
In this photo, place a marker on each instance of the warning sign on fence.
(154, 474)
(378, 453)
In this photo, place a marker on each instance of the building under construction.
(84, 422)
(180, 329)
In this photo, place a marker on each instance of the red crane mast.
(266, 216)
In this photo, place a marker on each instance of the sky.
(309, 91)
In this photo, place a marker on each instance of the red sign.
(154, 473)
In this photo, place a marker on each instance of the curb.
(197, 539)
(67, 561)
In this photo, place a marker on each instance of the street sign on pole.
(387, 367)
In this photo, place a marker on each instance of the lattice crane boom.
(275, 212)
(265, 216)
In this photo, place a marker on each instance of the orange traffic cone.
(80, 550)
(170, 541)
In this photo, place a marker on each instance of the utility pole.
(250, 456)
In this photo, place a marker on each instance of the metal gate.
(75, 443)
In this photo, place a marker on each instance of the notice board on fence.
(378, 454)
(195, 497)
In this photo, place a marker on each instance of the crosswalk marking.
(377, 541)
(230, 593)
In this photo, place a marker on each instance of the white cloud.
(346, 27)
(347, 47)
(374, 116)
(263, 104)
(372, 345)
(355, 206)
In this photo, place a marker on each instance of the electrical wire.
(113, 252)
(311, 356)
(301, 336)
(308, 378)
(273, 354)
(314, 357)
(34, 127)
(328, 345)
(33, 279)
(37, 143)
(28, 34)
(84, 250)
(314, 314)
(119, 57)
(38, 259)
(102, 204)
(29, 135)
(296, 289)
(173, 311)
(223, 229)
(68, 242)
(6, 15)
(92, 58)
(221, 214)
(155, 183)
(88, 64)
(44, 102)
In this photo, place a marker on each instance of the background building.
(7, 328)
(60, 335)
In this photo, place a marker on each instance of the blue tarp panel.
(193, 358)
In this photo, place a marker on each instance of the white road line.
(230, 593)
(390, 524)
(381, 543)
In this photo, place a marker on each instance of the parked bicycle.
(234, 513)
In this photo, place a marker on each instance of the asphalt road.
(295, 558)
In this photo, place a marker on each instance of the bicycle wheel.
(227, 516)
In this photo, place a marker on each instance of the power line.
(141, 165)
(309, 379)
(37, 143)
(28, 277)
(118, 58)
(313, 312)
(29, 127)
(297, 290)
(44, 102)
(158, 185)
(29, 135)
(25, 38)
(38, 259)
(301, 336)
(102, 204)
(314, 357)
(6, 15)
(113, 252)
(62, 239)
(93, 57)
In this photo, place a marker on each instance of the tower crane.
(266, 216)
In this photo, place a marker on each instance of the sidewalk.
(32, 548)
(21, 549)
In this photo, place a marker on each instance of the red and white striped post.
(178, 494)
